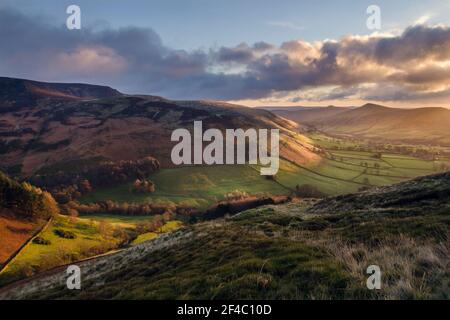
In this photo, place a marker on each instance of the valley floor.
(339, 172)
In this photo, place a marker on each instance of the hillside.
(420, 125)
(415, 195)
(47, 126)
(21, 93)
(302, 250)
(306, 115)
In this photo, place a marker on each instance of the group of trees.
(236, 195)
(74, 208)
(308, 191)
(26, 200)
(155, 224)
(225, 207)
(143, 186)
(67, 186)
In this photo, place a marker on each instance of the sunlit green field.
(198, 186)
(116, 220)
(169, 226)
(90, 241)
(36, 257)
(202, 186)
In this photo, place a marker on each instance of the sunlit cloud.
(412, 65)
(423, 19)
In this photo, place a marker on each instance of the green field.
(327, 142)
(90, 241)
(116, 220)
(169, 226)
(145, 237)
(202, 186)
(37, 257)
(198, 186)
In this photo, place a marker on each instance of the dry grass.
(13, 233)
(410, 269)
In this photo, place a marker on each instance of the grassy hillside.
(198, 186)
(87, 236)
(302, 250)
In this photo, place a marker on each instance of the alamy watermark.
(73, 21)
(373, 22)
(73, 281)
(374, 280)
(234, 148)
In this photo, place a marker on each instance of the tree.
(105, 228)
(50, 204)
(73, 214)
(143, 186)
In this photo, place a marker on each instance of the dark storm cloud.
(240, 54)
(407, 66)
(263, 46)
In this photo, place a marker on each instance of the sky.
(253, 52)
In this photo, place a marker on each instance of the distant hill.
(305, 115)
(420, 125)
(20, 93)
(45, 125)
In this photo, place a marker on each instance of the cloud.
(412, 65)
(89, 59)
(126, 57)
(240, 54)
(286, 24)
(423, 19)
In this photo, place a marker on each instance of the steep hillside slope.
(81, 124)
(296, 251)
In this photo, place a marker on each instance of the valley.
(337, 173)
